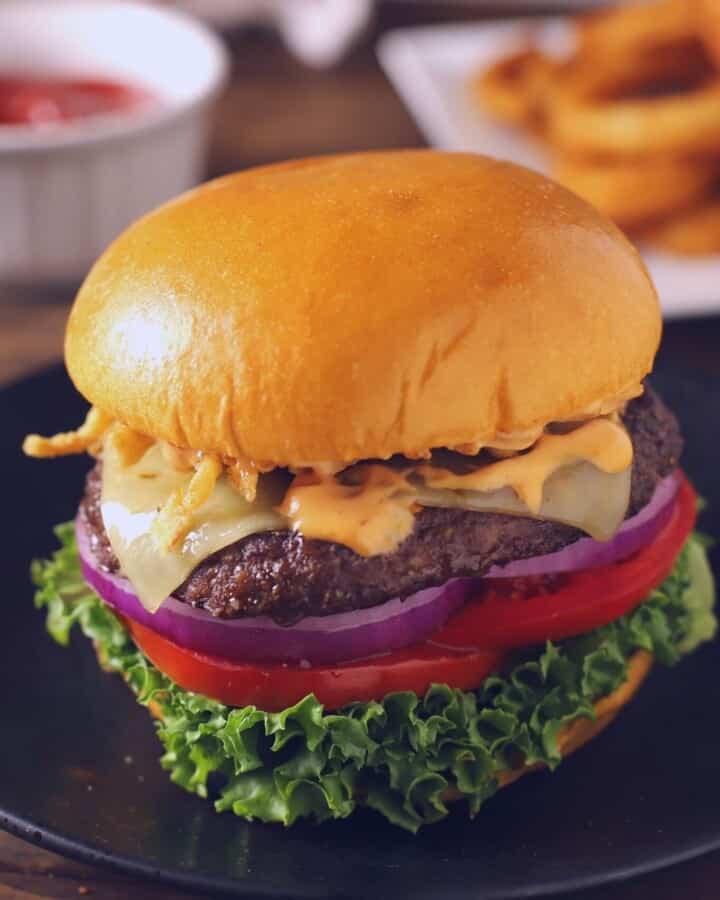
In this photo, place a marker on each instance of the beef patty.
(286, 576)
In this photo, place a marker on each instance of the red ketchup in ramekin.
(49, 100)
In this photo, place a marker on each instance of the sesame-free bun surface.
(356, 306)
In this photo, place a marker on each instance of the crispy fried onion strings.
(175, 518)
(86, 437)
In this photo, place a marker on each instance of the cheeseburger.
(383, 509)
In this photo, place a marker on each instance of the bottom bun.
(579, 732)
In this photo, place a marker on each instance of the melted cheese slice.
(373, 517)
(580, 495)
(131, 499)
(602, 442)
(581, 478)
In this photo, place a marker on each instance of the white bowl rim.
(103, 129)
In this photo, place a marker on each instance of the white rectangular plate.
(430, 67)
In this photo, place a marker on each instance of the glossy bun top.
(346, 307)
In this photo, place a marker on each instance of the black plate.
(78, 757)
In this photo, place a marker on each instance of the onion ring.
(643, 104)
(631, 115)
(634, 191)
(635, 533)
(314, 639)
(708, 14)
(511, 88)
(633, 27)
(695, 232)
(343, 636)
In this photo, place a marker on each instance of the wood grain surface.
(275, 109)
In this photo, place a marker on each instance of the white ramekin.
(66, 192)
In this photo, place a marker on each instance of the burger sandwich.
(384, 509)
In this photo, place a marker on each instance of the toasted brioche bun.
(579, 732)
(357, 306)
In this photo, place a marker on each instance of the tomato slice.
(508, 613)
(275, 687)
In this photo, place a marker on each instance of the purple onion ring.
(400, 622)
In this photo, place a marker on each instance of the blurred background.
(109, 108)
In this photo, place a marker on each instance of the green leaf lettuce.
(399, 756)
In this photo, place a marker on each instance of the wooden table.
(275, 109)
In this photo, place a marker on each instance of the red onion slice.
(322, 640)
(318, 640)
(634, 533)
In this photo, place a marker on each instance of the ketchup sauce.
(49, 100)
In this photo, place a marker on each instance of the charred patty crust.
(286, 576)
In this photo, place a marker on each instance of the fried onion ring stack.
(631, 116)
(709, 17)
